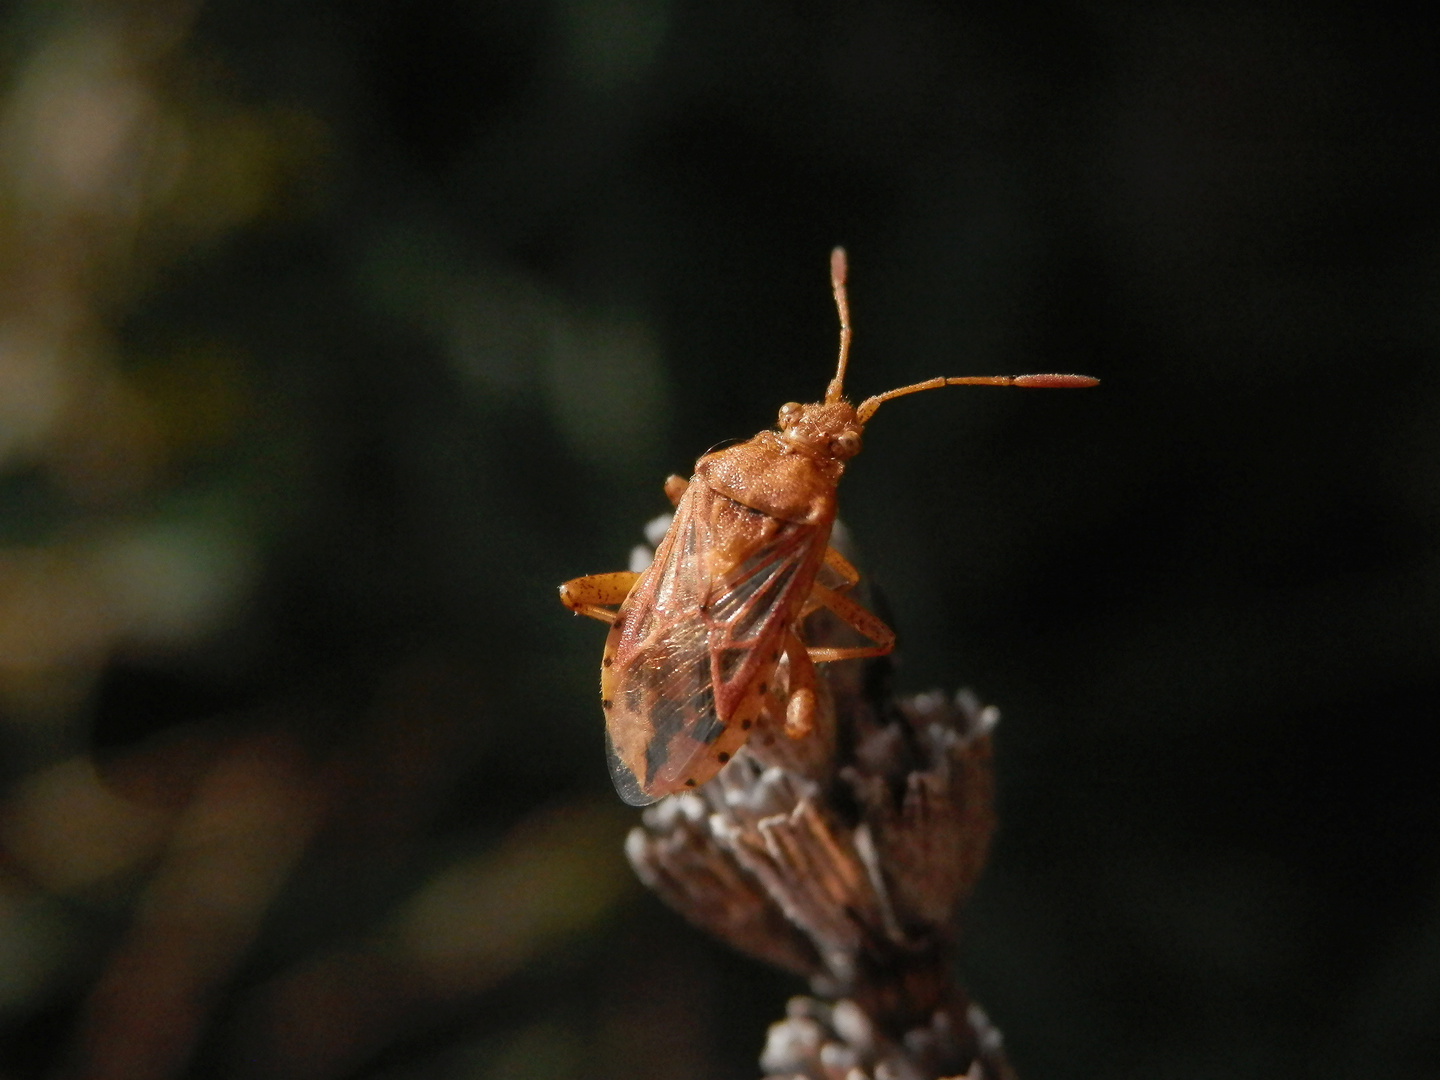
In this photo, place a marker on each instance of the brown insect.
(692, 652)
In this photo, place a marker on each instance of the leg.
(857, 617)
(841, 566)
(589, 595)
(800, 708)
(675, 487)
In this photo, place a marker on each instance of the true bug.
(693, 650)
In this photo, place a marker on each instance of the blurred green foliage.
(334, 336)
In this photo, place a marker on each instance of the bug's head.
(828, 429)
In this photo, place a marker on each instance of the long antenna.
(835, 391)
(866, 408)
(837, 286)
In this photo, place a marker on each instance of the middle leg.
(855, 616)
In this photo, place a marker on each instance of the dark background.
(334, 336)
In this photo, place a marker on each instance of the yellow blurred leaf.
(555, 875)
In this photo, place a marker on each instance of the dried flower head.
(843, 858)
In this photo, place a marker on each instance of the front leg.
(591, 595)
(675, 486)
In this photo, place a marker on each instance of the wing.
(696, 642)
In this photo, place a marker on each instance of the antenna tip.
(1055, 382)
(837, 266)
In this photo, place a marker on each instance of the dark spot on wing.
(667, 717)
(683, 697)
(657, 752)
(708, 729)
(626, 786)
(722, 757)
(606, 662)
(606, 704)
(744, 725)
(690, 781)
(730, 661)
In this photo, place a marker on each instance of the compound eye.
(846, 444)
(789, 413)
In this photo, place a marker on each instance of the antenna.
(866, 408)
(835, 391)
(842, 305)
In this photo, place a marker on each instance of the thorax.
(767, 475)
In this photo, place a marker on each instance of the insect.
(695, 645)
